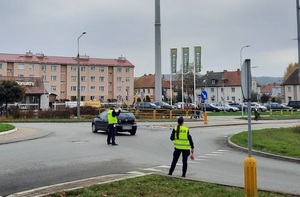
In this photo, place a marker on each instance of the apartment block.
(100, 79)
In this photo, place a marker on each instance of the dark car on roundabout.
(126, 122)
(277, 106)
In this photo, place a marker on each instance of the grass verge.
(6, 127)
(154, 185)
(279, 141)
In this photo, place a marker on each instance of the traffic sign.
(203, 95)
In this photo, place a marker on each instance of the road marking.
(203, 156)
(222, 150)
(200, 159)
(152, 169)
(216, 152)
(211, 154)
(163, 166)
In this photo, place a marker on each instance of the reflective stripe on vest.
(183, 141)
(111, 119)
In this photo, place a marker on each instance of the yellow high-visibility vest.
(183, 142)
(111, 119)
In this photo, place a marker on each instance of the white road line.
(200, 159)
(203, 156)
(216, 152)
(152, 169)
(163, 166)
(222, 150)
(210, 154)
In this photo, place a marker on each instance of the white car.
(226, 107)
(255, 105)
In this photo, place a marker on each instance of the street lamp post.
(78, 78)
(241, 62)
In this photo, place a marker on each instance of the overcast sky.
(126, 27)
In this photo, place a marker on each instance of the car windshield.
(126, 115)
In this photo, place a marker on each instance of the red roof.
(268, 88)
(148, 81)
(41, 59)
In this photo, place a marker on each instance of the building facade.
(100, 79)
(291, 87)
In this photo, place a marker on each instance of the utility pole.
(158, 85)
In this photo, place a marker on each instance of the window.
(73, 68)
(62, 92)
(73, 88)
(127, 70)
(53, 78)
(31, 67)
(119, 69)
(101, 88)
(212, 89)
(73, 78)
(119, 88)
(63, 72)
(21, 67)
(82, 68)
(9, 70)
(109, 73)
(82, 78)
(101, 69)
(101, 79)
(119, 79)
(222, 89)
(289, 89)
(53, 68)
(101, 98)
(149, 91)
(44, 67)
(20, 75)
(93, 69)
(109, 83)
(82, 88)
(1, 66)
(31, 75)
(93, 88)
(232, 90)
(92, 98)
(127, 79)
(44, 78)
(93, 78)
(213, 81)
(233, 98)
(62, 82)
(53, 88)
(73, 98)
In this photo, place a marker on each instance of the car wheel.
(230, 110)
(132, 132)
(94, 130)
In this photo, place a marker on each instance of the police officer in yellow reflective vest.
(183, 143)
(112, 121)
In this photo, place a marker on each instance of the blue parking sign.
(203, 95)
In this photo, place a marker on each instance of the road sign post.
(250, 173)
(203, 96)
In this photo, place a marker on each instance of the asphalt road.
(73, 152)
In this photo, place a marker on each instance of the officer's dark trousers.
(111, 133)
(176, 155)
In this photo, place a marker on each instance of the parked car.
(210, 107)
(126, 122)
(277, 106)
(226, 107)
(163, 105)
(294, 104)
(147, 105)
(253, 106)
(237, 105)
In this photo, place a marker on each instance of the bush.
(85, 110)
(54, 114)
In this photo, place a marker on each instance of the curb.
(47, 190)
(8, 132)
(259, 153)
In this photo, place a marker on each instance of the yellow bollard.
(250, 177)
(205, 118)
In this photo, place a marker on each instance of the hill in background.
(268, 80)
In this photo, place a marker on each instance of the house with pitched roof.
(224, 86)
(272, 89)
(291, 87)
(145, 86)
